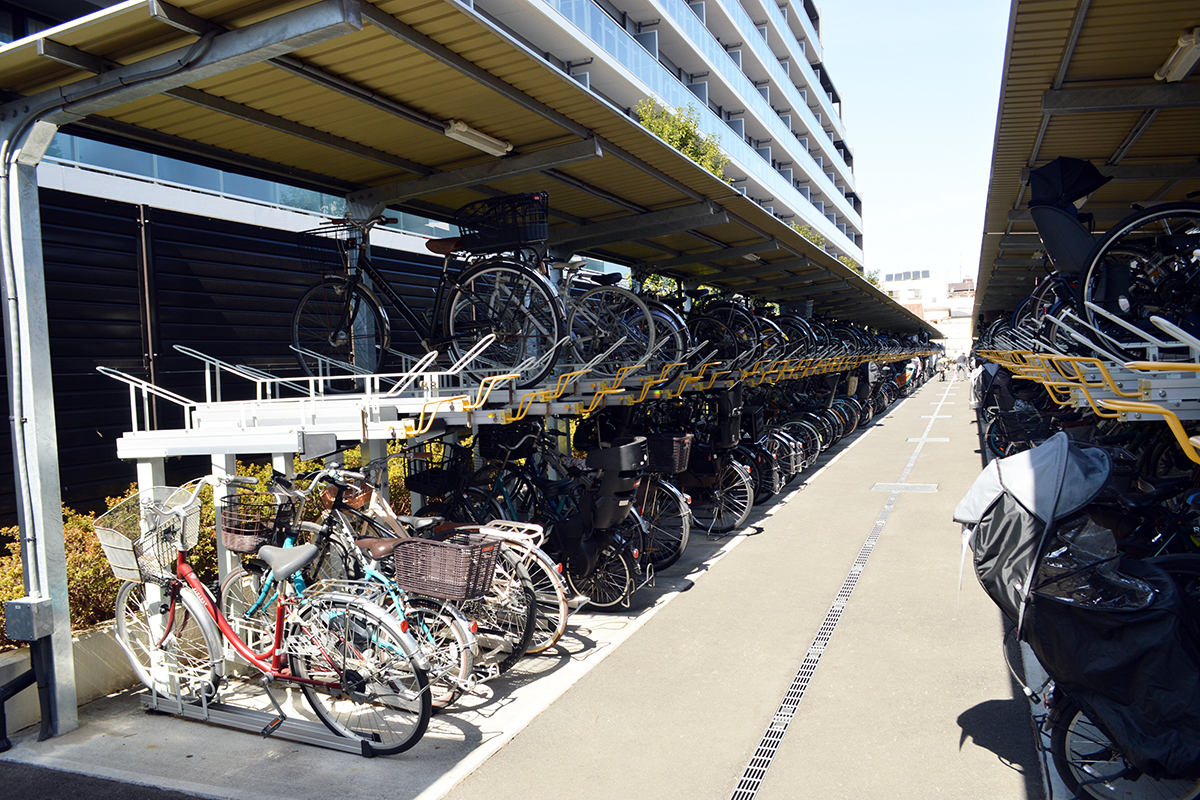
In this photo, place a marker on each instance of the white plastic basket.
(143, 534)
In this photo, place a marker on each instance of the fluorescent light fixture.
(460, 131)
(1180, 62)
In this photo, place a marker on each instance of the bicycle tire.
(516, 304)
(184, 662)
(725, 504)
(346, 325)
(667, 520)
(604, 315)
(552, 605)
(718, 341)
(742, 323)
(506, 615)
(440, 634)
(1083, 756)
(610, 583)
(334, 559)
(376, 690)
(671, 342)
(250, 611)
(1138, 265)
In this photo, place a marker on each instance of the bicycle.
(363, 677)
(247, 594)
(341, 323)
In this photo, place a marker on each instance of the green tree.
(681, 130)
(873, 278)
(809, 233)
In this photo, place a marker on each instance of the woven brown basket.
(456, 570)
(249, 521)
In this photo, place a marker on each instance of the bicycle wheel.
(517, 305)
(1092, 767)
(506, 615)
(341, 323)
(359, 672)
(611, 583)
(603, 316)
(443, 638)
(719, 342)
(551, 593)
(173, 649)
(671, 341)
(725, 504)
(744, 326)
(334, 560)
(667, 519)
(1143, 266)
(248, 601)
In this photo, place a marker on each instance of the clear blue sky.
(919, 84)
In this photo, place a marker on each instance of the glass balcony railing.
(700, 36)
(754, 40)
(610, 37)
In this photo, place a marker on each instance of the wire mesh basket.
(253, 519)
(332, 247)
(436, 469)
(458, 569)
(358, 495)
(503, 223)
(668, 454)
(142, 535)
(513, 441)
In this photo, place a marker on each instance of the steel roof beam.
(709, 256)
(655, 223)
(79, 59)
(1144, 172)
(1121, 98)
(221, 53)
(1020, 241)
(379, 197)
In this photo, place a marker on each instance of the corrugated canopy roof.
(353, 98)
(1079, 82)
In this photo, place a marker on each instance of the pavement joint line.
(752, 777)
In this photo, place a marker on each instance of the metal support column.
(35, 439)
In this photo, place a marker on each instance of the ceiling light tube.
(1182, 59)
(460, 131)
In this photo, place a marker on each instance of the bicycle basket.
(497, 442)
(435, 470)
(503, 223)
(668, 454)
(332, 247)
(142, 535)
(251, 520)
(459, 569)
(358, 495)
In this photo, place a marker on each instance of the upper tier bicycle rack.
(295, 415)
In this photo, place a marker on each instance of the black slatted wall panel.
(223, 288)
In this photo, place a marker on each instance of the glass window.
(176, 171)
(924, 273)
(253, 188)
(907, 276)
(294, 197)
(7, 28)
(889, 277)
(62, 146)
(120, 159)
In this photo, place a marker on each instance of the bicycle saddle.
(287, 561)
(607, 279)
(443, 247)
(419, 524)
(377, 548)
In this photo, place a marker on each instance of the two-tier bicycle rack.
(290, 416)
(1162, 385)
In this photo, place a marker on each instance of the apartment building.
(752, 70)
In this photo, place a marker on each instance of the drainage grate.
(764, 754)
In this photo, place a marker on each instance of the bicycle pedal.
(272, 726)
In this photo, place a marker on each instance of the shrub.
(681, 130)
